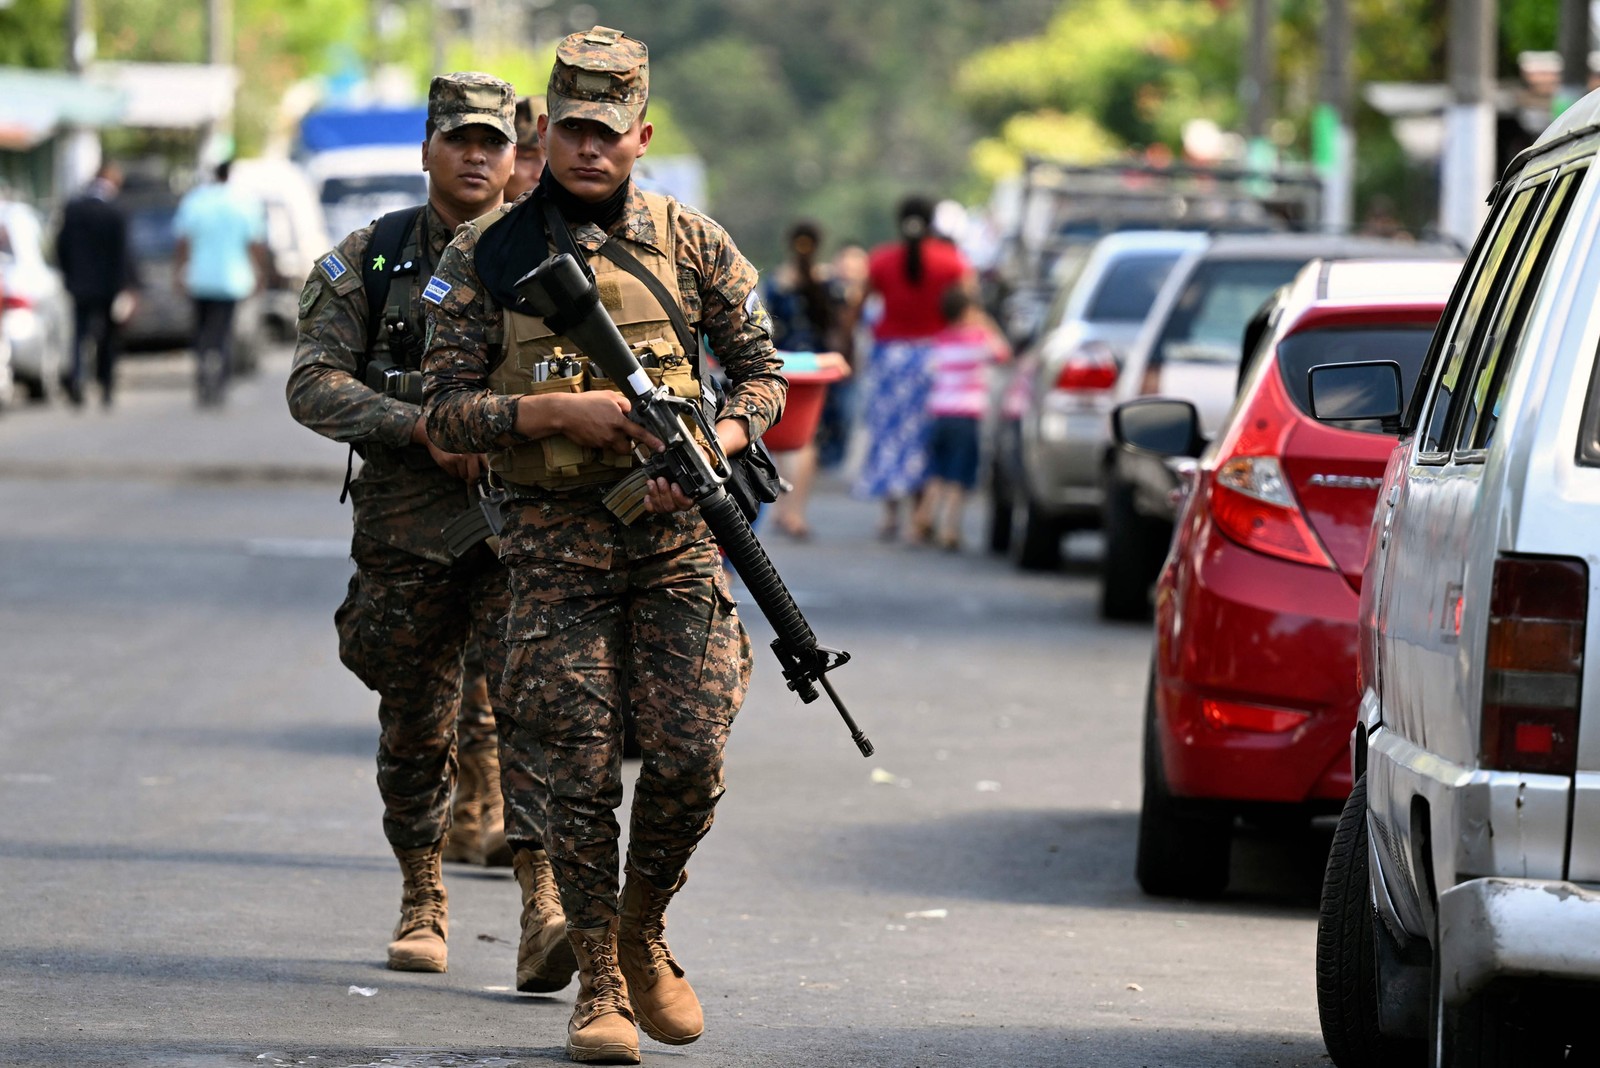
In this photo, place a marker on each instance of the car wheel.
(1035, 537)
(1347, 968)
(999, 510)
(1135, 548)
(1183, 848)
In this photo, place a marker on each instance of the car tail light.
(1236, 716)
(1533, 673)
(1251, 500)
(1090, 368)
(14, 302)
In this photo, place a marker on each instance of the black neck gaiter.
(603, 214)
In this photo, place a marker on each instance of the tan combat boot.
(419, 937)
(544, 956)
(662, 998)
(601, 1030)
(477, 812)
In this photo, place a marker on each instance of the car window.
(374, 185)
(1489, 275)
(1207, 322)
(150, 233)
(1064, 276)
(1482, 413)
(1129, 287)
(1299, 353)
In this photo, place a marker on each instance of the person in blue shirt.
(221, 259)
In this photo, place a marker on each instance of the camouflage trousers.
(403, 628)
(475, 727)
(595, 631)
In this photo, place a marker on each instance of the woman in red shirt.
(909, 276)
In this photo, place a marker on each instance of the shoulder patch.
(436, 290)
(333, 266)
(309, 295)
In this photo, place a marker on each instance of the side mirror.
(1342, 392)
(1158, 425)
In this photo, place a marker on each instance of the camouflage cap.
(529, 108)
(600, 74)
(468, 97)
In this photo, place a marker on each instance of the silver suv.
(1461, 909)
(1054, 420)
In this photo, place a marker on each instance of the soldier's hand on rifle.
(662, 497)
(597, 419)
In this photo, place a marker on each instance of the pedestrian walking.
(909, 276)
(962, 357)
(221, 258)
(427, 584)
(606, 615)
(530, 150)
(99, 273)
(806, 307)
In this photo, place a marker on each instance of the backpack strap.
(390, 235)
(389, 238)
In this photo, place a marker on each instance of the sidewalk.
(155, 431)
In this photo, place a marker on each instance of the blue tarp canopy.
(345, 127)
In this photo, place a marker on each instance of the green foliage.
(33, 33)
(1104, 74)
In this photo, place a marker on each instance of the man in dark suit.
(98, 270)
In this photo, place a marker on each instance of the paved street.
(192, 870)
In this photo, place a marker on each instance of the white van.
(356, 185)
(296, 234)
(1461, 910)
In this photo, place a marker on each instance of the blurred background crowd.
(1025, 129)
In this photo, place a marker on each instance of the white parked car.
(37, 312)
(1461, 911)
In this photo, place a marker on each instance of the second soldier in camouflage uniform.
(597, 604)
(530, 150)
(413, 604)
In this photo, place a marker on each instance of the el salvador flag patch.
(333, 267)
(436, 290)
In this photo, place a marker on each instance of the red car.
(1253, 691)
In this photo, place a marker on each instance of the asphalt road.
(192, 870)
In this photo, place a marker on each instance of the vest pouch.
(619, 460)
(562, 456)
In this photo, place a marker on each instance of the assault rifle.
(561, 292)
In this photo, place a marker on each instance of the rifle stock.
(562, 293)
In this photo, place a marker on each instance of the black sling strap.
(389, 237)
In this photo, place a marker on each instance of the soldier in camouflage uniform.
(594, 601)
(530, 151)
(413, 604)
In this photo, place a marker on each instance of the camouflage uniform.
(412, 607)
(592, 597)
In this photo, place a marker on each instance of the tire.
(999, 539)
(1035, 537)
(1347, 966)
(1136, 546)
(1184, 847)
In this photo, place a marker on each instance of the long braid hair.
(915, 218)
(805, 240)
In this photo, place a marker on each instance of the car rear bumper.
(1065, 458)
(1265, 634)
(1518, 928)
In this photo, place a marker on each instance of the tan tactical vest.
(558, 462)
